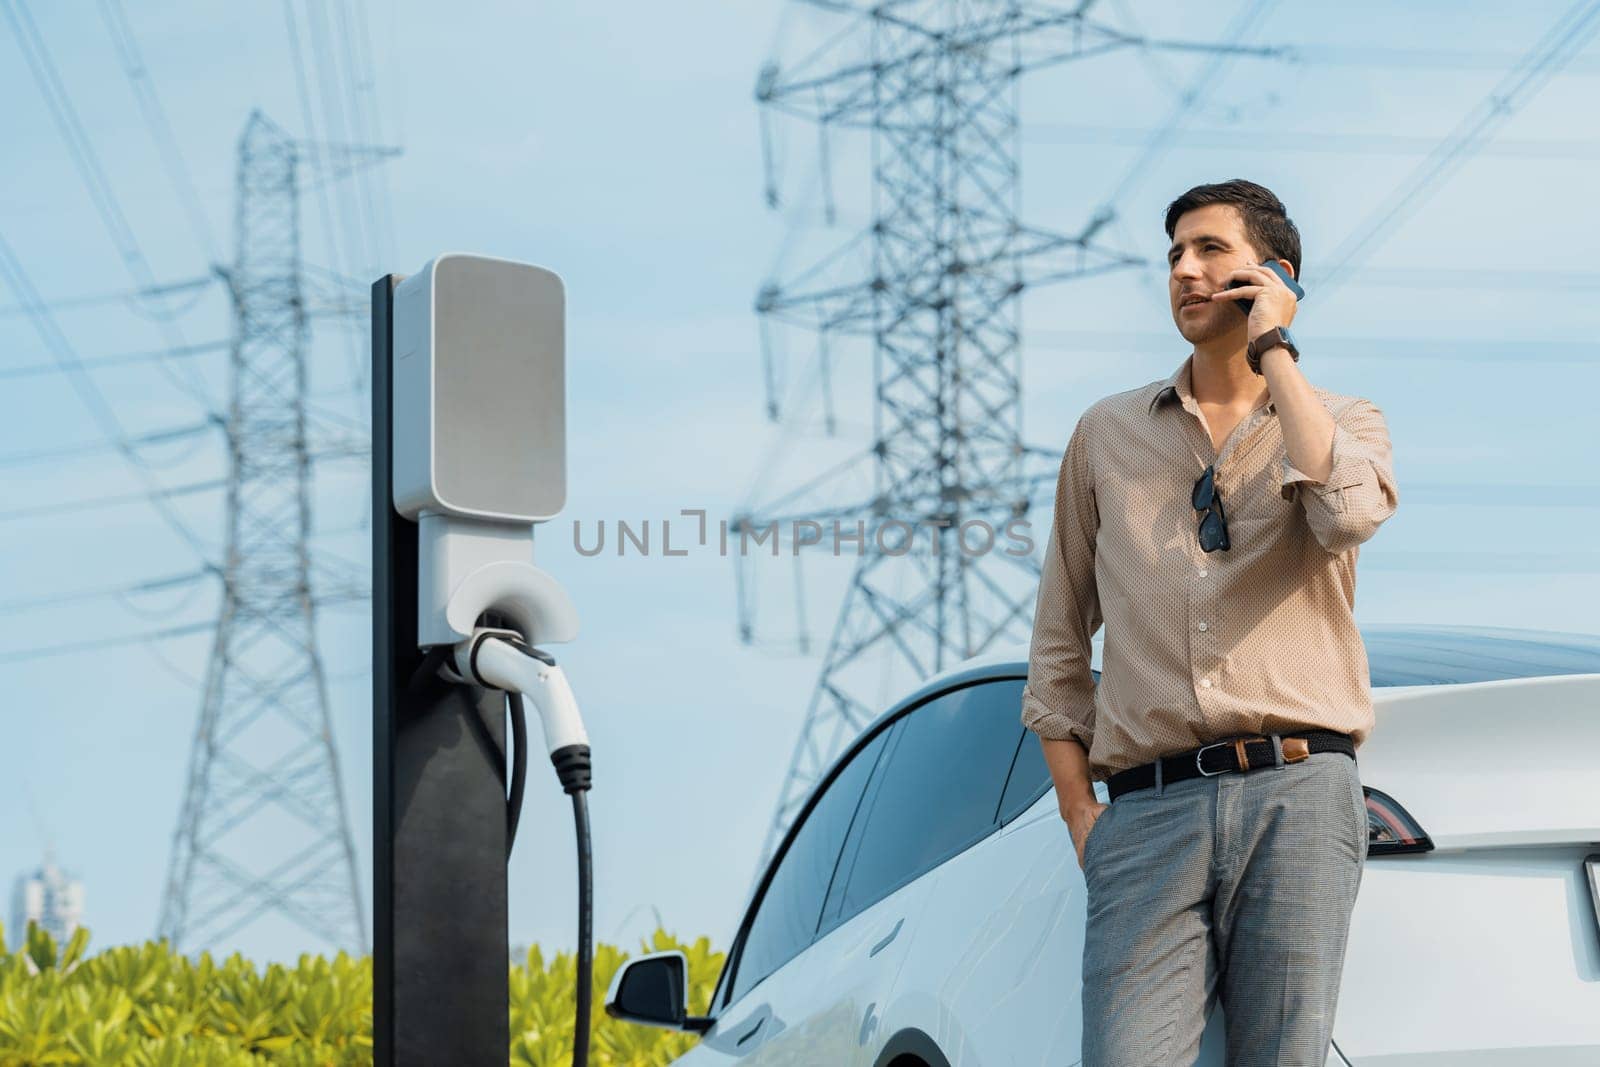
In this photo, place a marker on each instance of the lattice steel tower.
(264, 827)
(943, 264)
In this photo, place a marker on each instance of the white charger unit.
(480, 445)
(480, 390)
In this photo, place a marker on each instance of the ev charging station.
(468, 455)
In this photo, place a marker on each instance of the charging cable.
(496, 658)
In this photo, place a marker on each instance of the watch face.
(1288, 338)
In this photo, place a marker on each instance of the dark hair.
(1266, 222)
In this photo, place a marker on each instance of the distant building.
(49, 897)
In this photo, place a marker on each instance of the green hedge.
(148, 1006)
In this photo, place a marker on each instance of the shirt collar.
(1179, 386)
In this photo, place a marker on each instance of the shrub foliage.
(148, 1006)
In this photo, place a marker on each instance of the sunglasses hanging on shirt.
(1214, 523)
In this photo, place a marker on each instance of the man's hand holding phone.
(1267, 294)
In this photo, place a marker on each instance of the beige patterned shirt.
(1203, 645)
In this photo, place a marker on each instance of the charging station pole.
(440, 940)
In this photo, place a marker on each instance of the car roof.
(1398, 654)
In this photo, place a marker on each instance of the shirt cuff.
(1053, 725)
(1348, 468)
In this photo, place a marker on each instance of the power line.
(87, 162)
(48, 79)
(1279, 141)
(336, 242)
(116, 500)
(118, 297)
(149, 637)
(84, 385)
(334, 417)
(1498, 278)
(1501, 278)
(372, 131)
(1411, 60)
(48, 455)
(155, 117)
(339, 105)
(1244, 23)
(1571, 33)
(166, 611)
(33, 370)
(1153, 61)
(152, 585)
(96, 644)
(154, 649)
(329, 90)
(1389, 349)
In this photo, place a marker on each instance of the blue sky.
(619, 146)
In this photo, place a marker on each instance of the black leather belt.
(1236, 755)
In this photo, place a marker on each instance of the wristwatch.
(1278, 335)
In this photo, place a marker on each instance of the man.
(1212, 522)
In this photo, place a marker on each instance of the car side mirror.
(654, 990)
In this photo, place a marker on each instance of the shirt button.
(1202, 572)
(1202, 626)
(1205, 683)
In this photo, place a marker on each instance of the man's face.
(1208, 244)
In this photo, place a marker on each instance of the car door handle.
(748, 1034)
(881, 945)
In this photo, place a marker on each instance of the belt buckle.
(1199, 753)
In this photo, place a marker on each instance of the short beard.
(1214, 326)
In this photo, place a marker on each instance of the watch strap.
(1268, 340)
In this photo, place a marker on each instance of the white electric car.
(926, 908)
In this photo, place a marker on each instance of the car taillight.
(1390, 828)
(1591, 868)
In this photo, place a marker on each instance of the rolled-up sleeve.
(1058, 699)
(1360, 492)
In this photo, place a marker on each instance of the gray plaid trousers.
(1239, 886)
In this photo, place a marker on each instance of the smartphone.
(1275, 267)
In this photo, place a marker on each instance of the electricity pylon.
(264, 828)
(944, 261)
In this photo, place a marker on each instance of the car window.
(943, 774)
(1030, 775)
(786, 919)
